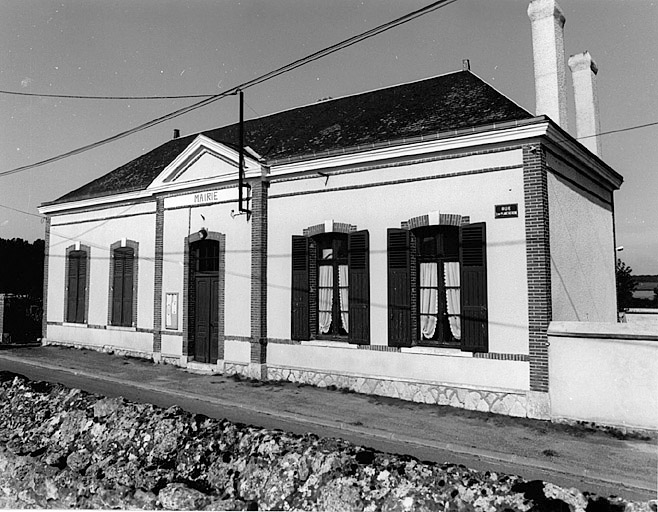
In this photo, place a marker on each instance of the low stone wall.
(63, 448)
(605, 373)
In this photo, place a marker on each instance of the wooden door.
(206, 319)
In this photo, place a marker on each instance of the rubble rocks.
(62, 448)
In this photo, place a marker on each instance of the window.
(438, 297)
(123, 274)
(437, 287)
(333, 284)
(205, 256)
(76, 286)
(330, 287)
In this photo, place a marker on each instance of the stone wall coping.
(436, 351)
(603, 331)
(642, 311)
(329, 344)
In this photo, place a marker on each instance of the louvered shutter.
(117, 287)
(359, 287)
(82, 288)
(72, 287)
(399, 287)
(127, 295)
(300, 289)
(473, 258)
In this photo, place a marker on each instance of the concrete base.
(538, 405)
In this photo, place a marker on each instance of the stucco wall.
(604, 372)
(376, 208)
(582, 254)
(180, 222)
(448, 367)
(101, 229)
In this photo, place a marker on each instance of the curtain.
(429, 299)
(451, 273)
(326, 297)
(343, 284)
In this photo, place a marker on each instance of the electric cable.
(245, 85)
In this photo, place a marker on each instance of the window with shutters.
(123, 276)
(77, 262)
(331, 287)
(437, 287)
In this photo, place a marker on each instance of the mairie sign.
(206, 197)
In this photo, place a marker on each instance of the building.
(414, 241)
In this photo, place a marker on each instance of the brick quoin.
(259, 272)
(535, 189)
(157, 284)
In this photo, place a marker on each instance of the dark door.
(207, 316)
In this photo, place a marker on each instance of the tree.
(626, 284)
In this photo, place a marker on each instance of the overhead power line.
(22, 211)
(251, 83)
(82, 97)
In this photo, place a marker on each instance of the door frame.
(189, 285)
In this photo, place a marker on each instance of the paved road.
(535, 450)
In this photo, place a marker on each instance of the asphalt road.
(278, 418)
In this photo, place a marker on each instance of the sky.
(184, 47)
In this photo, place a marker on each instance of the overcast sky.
(161, 47)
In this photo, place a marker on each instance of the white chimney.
(547, 21)
(583, 72)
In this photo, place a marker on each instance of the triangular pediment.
(203, 161)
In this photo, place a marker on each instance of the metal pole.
(241, 158)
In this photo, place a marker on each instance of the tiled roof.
(447, 102)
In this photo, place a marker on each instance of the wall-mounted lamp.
(203, 233)
(620, 248)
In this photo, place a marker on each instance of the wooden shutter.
(473, 259)
(359, 287)
(399, 287)
(82, 288)
(127, 296)
(300, 289)
(117, 287)
(72, 287)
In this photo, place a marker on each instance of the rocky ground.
(63, 448)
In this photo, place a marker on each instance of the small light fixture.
(620, 248)
(203, 233)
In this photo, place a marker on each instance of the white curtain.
(326, 297)
(451, 273)
(429, 299)
(343, 283)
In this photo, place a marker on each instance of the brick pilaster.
(44, 303)
(157, 283)
(259, 272)
(538, 256)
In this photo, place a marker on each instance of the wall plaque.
(507, 210)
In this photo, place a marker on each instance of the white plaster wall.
(99, 235)
(126, 339)
(171, 345)
(179, 223)
(604, 372)
(238, 351)
(582, 255)
(381, 207)
(643, 318)
(458, 369)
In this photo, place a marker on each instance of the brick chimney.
(583, 72)
(547, 21)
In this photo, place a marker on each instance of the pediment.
(203, 161)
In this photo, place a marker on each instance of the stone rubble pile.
(64, 448)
